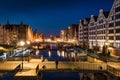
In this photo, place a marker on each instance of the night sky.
(50, 16)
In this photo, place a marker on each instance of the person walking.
(56, 62)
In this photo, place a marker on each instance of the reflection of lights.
(37, 52)
(63, 54)
(49, 53)
(58, 52)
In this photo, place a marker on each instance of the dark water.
(61, 56)
(60, 76)
(54, 55)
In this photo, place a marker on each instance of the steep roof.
(106, 13)
(95, 17)
(88, 19)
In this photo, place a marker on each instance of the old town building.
(18, 32)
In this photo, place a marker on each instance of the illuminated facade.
(18, 32)
(1, 34)
(63, 35)
(38, 36)
(93, 32)
(102, 28)
(4, 39)
(113, 38)
(72, 34)
(98, 30)
(83, 32)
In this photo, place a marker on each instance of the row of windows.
(92, 28)
(111, 24)
(98, 32)
(100, 21)
(112, 31)
(117, 16)
(91, 24)
(99, 37)
(102, 37)
(112, 37)
(117, 9)
(117, 23)
(83, 37)
(100, 27)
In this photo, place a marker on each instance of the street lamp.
(22, 43)
(28, 45)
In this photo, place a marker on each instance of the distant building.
(63, 35)
(57, 39)
(38, 36)
(1, 34)
(72, 33)
(18, 32)
(4, 39)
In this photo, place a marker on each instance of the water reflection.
(63, 54)
(37, 52)
(58, 55)
(49, 53)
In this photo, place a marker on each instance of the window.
(112, 17)
(117, 16)
(111, 37)
(101, 21)
(117, 30)
(117, 9)
(111, 25)
(111, 31)
(117, 23)
(117, 37)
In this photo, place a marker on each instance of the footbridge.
(32, 68)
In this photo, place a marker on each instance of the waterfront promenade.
(33, 69)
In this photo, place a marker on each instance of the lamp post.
(28, 43)
(22, 43)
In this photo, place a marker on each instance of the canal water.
(61, 76)
(60, 56)
(57, 55)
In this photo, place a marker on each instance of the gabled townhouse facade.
(83, 32)
(93, 32)
(101, 28)
(113, 38)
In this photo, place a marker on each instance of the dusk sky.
(50, 16)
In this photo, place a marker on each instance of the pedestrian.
(100, 67)
(56, 62)
(43, 67)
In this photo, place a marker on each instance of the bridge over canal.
(32, 69)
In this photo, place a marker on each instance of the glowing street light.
(22, 43)
(28, 42)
